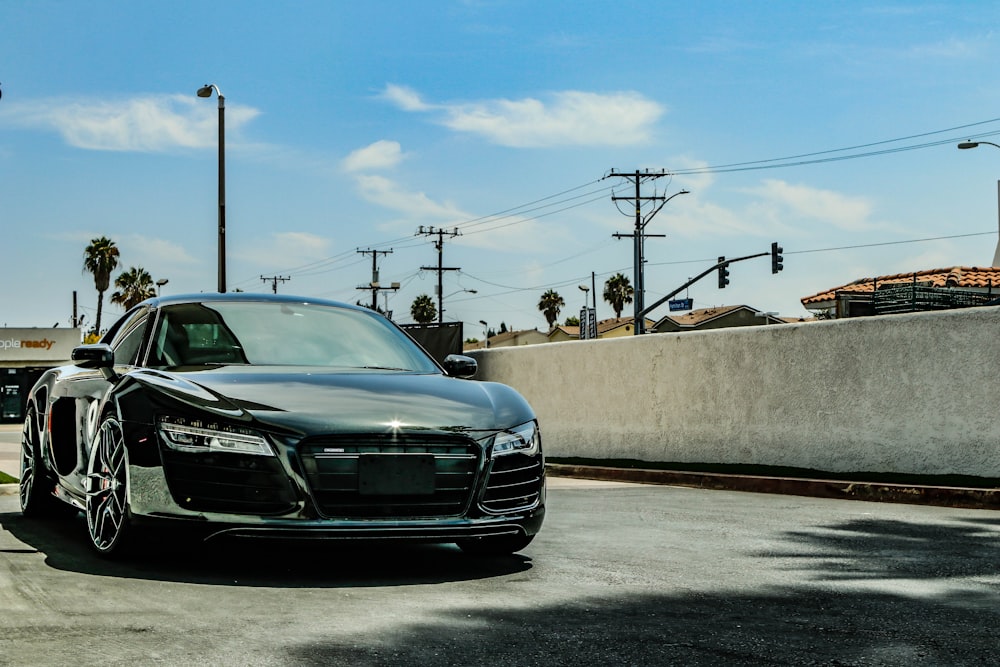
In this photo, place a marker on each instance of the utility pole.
(638, 236)
(274, 281)
(374, 284)
(440, 268)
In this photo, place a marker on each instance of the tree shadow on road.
(884, 549)
(793, 627)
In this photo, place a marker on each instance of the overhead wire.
(516, 214)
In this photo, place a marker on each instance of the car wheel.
(35, 485)
(109, 520)
(500, 545)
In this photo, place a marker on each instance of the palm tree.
(100, 258)
(134, 285)
(423, 310)
(618, 292)
(550, 305)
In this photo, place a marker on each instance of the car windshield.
(280, 333)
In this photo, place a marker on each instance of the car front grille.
(393, 476)
(515, 483)
(227, 482)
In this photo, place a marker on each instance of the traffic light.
(777, 261)
(723, 272)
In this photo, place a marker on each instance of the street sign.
(681, 304)
(588, 323)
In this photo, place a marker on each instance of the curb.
(8, 489)
(943, 496)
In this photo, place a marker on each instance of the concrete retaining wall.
(914, 394)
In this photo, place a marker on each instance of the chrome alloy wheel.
(107, 489)
(26, 484)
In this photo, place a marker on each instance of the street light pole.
(206, 91)
(486, 332)
(965, 145)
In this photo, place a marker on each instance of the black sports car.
(265, 415)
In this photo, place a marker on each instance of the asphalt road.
(622, 574)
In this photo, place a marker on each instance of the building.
(24, 355)
(510, 339)
(719, 317)
(933, 289)
(613, 327)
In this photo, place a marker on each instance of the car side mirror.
(98, 355)
(460, 366)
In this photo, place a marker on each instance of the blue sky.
(349, 126)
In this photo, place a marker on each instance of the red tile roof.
(958, 276)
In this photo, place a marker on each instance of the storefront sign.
(37, 345)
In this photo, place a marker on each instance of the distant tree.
(572, 321)
(378, 308)
(618, 292)
(503, 327)
(423, 310)
(550, 304)
(134, 286)
(100, 258)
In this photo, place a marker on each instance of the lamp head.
(205, 91)
(968, 144)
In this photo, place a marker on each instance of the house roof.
(696, 317)
(569, 330)
(958, 276)
(611, 323)
(603, 326)
(499, 338)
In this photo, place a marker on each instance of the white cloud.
(793, 205)
(416, 209)
(285, 249)
(567, 118)
(405, 98)
(379, 155)
(416, 205)
(152, 253)
(146, 124)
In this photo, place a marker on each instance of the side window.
(128, 339)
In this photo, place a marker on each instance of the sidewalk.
(942, 496)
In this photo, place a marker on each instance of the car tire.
(36, 484)
(500, 545)
(109, 518)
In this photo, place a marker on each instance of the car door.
(85, 392)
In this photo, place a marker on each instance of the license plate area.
(396, 475)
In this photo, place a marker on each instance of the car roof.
(235, 297)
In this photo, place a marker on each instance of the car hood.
(330, 401)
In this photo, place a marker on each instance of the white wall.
(910, 393)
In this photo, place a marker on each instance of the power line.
(814, 158)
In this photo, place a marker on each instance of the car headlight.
(187, 438)
(523, 439)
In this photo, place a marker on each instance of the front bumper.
(154, 500)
